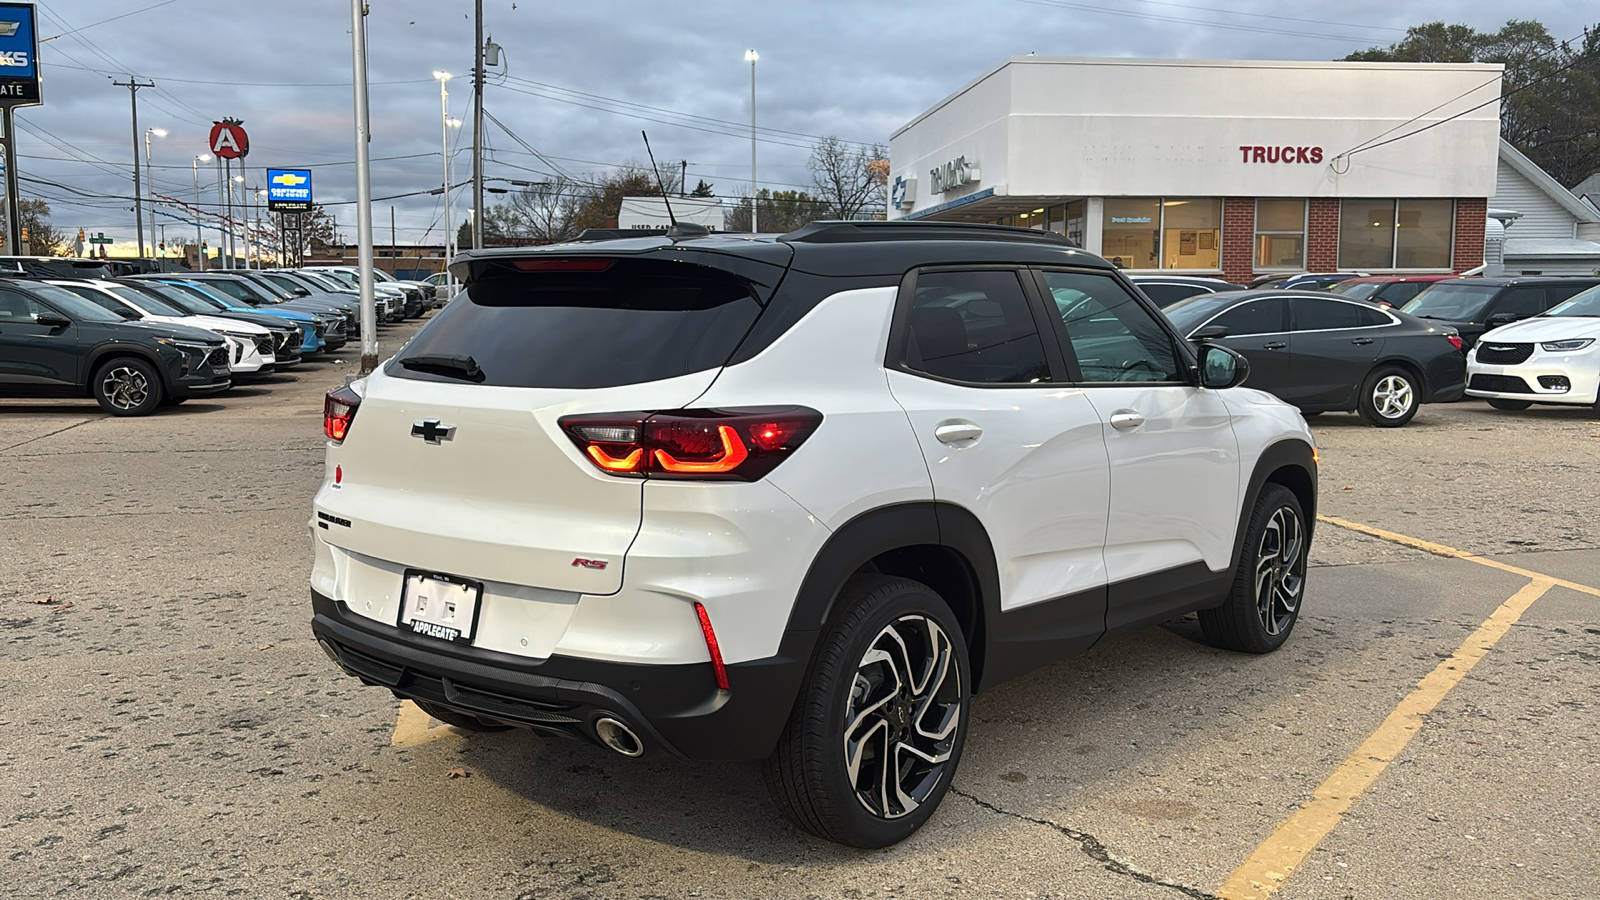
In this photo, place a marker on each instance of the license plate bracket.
(439, 606)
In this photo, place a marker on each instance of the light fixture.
(751, 56)
(159, 132)
(204, 157)
(442, 76)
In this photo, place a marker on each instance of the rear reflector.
(1455, 341)
(338, 411)
(723, 444)
(719, 670)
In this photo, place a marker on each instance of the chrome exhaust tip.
(618, 736)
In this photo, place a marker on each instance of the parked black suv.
(1475, 305)
(54, 343)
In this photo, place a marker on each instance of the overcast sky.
(579, 80)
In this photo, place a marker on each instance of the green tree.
(1554, 115)
(776, 212)
(702, 190)
(600, 198)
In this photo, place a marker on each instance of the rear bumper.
(676, 709)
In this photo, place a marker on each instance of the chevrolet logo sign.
(289, 179)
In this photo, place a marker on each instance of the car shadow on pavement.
(1080, 707)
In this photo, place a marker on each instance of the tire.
(1265, 600)
(1389, 397)
(886, 628)
(1509, 405)
(127, 386)
(464, 721)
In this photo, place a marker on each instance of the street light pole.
(150, 184)
(199, 236)
(751, 56)
(444, 151)
(369, 327)
(477, 129)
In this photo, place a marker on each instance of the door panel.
(1259, 331)
(31, 353)
(1331, 353)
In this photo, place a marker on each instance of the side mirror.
(1209, 333)
(1221, 367)
(128, 314)
(51, 320)
(1502, 318)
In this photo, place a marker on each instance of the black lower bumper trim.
(675, 709)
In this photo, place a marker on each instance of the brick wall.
(1322, 237)
(1238, 239)
(1471, 216)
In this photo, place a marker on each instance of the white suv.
(794, 498)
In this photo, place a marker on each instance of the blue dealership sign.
(288, 190)
(19, 55)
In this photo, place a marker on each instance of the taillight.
(338, 411)
(718, 444)
(1456, 342)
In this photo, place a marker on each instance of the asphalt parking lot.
(168, 726)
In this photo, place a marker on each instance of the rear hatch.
(494, 489)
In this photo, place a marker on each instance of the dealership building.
(1224, 168)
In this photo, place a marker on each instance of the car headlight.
(191, 346)
(1566, 346)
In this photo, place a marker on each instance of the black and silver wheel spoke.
(1280, 570)
(903, 717)
(125, 387)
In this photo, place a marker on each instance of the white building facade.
(1227, 168)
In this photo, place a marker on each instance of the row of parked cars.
(135, 344)
(1381, 345)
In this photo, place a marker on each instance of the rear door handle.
(1126, 420)
(1361, 341)
(956, 432)
(1274, 345)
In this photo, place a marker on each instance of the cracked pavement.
(170, 727)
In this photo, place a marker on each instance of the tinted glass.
(1522, 301)
(1188, 314)
(72, 305)
(153, 305)
(199, 294)
(637, 321)
(1255, 317)
(174, 297)
(1366, 234)
(1357, 289)
(236, 289)
(976, 327)
(1165, 295)
(1370, 317)
(1452, 300)
(1584, 304)
(1310, 314)
(1400, 292)
(1561, 293)
(98, 298)
(285, 284)
(270, 288)
(1114, 338)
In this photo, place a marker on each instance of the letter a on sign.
(228, 140)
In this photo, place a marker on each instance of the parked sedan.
(1553, 358)
(1166, 290)
(1475, 305)
(1324, 353)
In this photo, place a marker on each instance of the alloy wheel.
(903, 717)
(125, 387)
(1280, 571)
(1392, 396)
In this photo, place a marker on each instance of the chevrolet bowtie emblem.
(431, 431)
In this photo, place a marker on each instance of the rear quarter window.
(636, 321)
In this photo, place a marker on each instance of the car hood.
(209, 323)
(153, 328)
(1545, 328)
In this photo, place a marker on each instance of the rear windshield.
(1452, 300)
(1586, 304)
(1360, 290)
(636, 321)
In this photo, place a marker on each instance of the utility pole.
(133, 85)
(369, 329)
(683, 180)
(13, 226)
(477, 134)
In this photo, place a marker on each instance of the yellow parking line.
(1442, 550)
(1277, 858)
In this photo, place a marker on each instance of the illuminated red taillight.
(565, 264)
(1455, 341)
(725, 444)
(338, 411)
(717, 668)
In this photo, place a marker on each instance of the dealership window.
(1281, 234)
(1163, 234)
(1396, 234)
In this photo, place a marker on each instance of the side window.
(975, 327)
(1165, 295)
(1311, 314)
(1522, 301)
(15, 307)
(1256, 317)
(98, 298)
(1113, 337)
(1564, 293)
(1400, 293)
(1371, 318)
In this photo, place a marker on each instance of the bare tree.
(542, 213)
(849, 183)
(44, 239)
(778, 212)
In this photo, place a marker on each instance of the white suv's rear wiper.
(461, 366)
